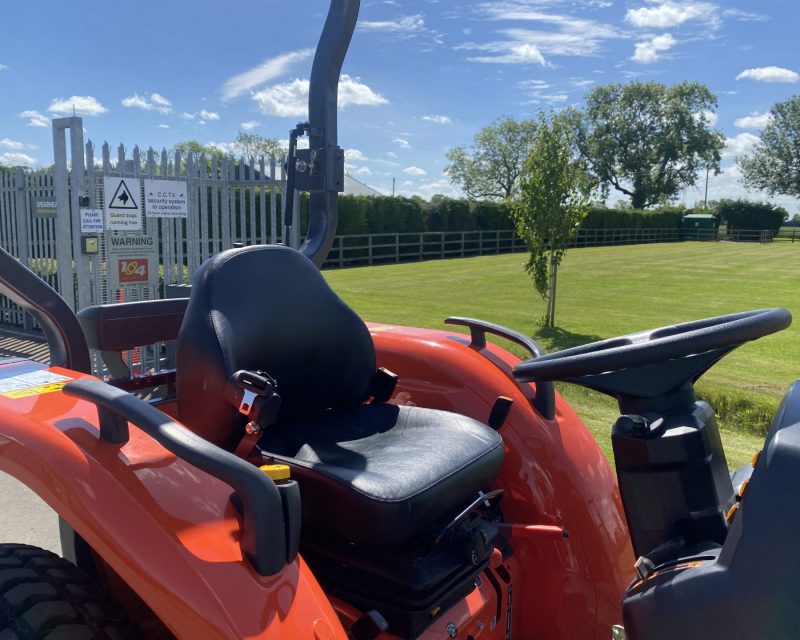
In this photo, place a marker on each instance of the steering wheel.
(696, 345)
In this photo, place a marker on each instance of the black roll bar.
(325, 168)
(64, 335)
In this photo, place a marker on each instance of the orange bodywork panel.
(554, 474)
(169, 530)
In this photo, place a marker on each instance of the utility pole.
(705, 198)
(393, 179)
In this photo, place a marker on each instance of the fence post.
(397, 247)
(21, 214)
(61, 189)
(369, 249)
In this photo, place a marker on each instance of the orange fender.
(554, 474)
(167, 528)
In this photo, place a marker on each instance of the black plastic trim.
(122, 326)
(64, 335)
(263, 538)
(545, 399)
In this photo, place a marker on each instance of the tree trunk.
(550, 313)
(638, 198)
(554, 286)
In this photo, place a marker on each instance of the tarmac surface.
(24, 517)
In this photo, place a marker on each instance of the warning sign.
(91, 221)
(122, 204)
(33, 383)
(132, 261)
(165, 199)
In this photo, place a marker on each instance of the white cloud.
(82, 105)
(225, 147)
(163, 126)
(187, 116)
(441, 186)
(401, 25)
(251, 124)
(754, 121)
(155, 102)
(269, 69)
(3, 67)
(415, 171)
(669, 14)
(15, 159)
(769, 74)
(354, 155)
(744, 16)
(649, 51)
(351, 91)
(518, 53)
(35, 119)
(402, 143)
(438, 119)
(537, 91)
(563, 35)
(391, 154)
(362, 171)
(291, 98)
(8, 143)
(284, 100)
(208, 115)
(740, 145)
(710, 118)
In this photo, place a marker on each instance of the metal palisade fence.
(226, 202)
(119, 228)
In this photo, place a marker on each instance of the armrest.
(118, 327)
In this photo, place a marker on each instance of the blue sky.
(421, 76)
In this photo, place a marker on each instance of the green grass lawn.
(609, 291)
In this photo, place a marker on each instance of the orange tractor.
(304, 475)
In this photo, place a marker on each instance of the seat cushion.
(380, 473)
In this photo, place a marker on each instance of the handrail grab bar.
(545, 399)
(263, 530)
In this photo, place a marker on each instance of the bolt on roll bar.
(320, 168)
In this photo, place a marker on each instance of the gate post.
(68, 236)
(21, 214)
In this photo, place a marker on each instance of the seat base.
(408, 585)
(379, 474)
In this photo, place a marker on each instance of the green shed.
(699, 226)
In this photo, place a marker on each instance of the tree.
(554, 199)
(775, 163)
(253, 145)
(196, 148)
(493, 167)
(648, 140)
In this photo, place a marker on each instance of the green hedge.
(359, 215)
(743, 214)
(663, 218)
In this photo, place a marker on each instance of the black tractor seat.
(371, 473)
(379, 473)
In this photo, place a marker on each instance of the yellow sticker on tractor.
(33, 391)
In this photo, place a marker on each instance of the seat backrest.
(267, 308)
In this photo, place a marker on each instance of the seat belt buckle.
(255, 395)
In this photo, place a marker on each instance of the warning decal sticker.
(122, 198)
(33, 383)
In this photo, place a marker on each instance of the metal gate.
(228, 201)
